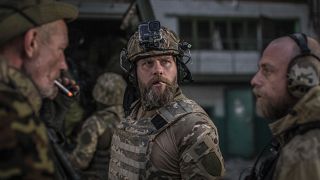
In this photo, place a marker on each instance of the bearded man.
(287, 92)
(166, 135)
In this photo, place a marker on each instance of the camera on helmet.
(149, 35)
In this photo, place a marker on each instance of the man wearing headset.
(287, 93)
(166, 135)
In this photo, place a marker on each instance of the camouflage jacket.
(299, 157)
(177, 141)
(92, 152)
(24, 143)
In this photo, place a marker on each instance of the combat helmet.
(109, 89)
(152, 39)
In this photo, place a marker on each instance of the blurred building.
(227, 37)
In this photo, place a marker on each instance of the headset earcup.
(303, 74)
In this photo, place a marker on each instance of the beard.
(45, 88)
(151, 98)
(276, 109)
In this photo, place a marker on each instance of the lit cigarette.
(64, 89)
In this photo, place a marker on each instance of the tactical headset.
(303, 73)
(150, 39)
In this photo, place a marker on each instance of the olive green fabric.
(13, 23)
(24, 145)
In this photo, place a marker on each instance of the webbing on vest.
(167, 115)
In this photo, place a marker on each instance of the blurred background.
(227, 38)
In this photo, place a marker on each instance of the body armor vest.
(132, 142)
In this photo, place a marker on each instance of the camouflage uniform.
(23, 141)
(93, 149)
(185, 147)
(299, 157)
(175, 141)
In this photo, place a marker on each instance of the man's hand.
(53, 111)
(68, 87)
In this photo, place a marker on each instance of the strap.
(302, 41)
(168, 115)
(300, 129)
(158, 122)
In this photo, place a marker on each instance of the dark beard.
(275, 111)
(151, 100)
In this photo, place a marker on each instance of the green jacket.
(299, 157)
(24, 143)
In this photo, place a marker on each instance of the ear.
(31, 43)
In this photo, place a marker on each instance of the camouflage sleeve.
(201, 156)
(24, 143)
(87, 140)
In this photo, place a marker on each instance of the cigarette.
(64, 89)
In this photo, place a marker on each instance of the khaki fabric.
(185, 148)
(299, 158)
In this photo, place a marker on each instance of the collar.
(19, 82)
(305, 111)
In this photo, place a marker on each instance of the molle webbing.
(132, 143)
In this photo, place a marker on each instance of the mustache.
(256, 92)
(157, 79)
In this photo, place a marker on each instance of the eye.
(266, 71)
(166, 62)
(146, 63)
(149, 62)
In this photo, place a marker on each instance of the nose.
(256, 80)
(63, 63)
(157, 68)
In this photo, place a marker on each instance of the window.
(224, 34)
(231, 33)
(273, 28)
(203, 30)
(186, 30)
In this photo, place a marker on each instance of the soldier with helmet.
(166, 135)
(287, 93)
(92, 152)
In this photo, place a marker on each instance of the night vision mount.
(149, 35)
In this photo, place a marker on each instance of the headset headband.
(302, 42)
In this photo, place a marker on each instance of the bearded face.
(272, 108)
(158, 92)
(157, 80)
